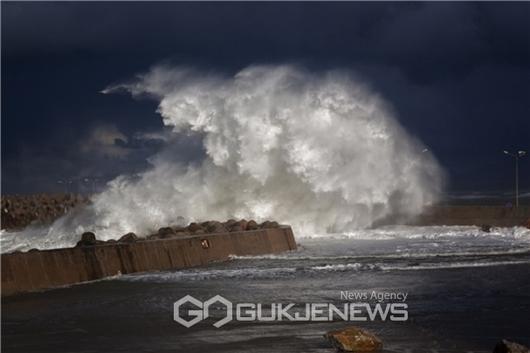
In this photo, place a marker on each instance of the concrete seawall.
(475, 215)
(37, 270)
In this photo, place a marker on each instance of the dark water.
(466, 291)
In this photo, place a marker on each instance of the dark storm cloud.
(457, 74)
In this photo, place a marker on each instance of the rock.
(204, 224)
(19, 211)
(506, 346)
(527, 225)
(87, 239)
(252, 225)
(128, 238)
(229, 223)
(166, 232)
(269, 224)
(193, 227)
(243, 224)
(181, 232)
(485, 228)
(236, 228)
(354, 339)
(215, 227)
(88, 236)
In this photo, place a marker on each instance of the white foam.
(278, 272)
(432, 232)
(455, 265)
(204, 274)
(321, 152)
(401, 255)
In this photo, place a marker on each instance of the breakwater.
(43, 269)
(19, 211)
(496, 216)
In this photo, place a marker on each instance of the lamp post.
(516, 155)
(93, 184)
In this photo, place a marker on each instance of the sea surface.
(466, 290)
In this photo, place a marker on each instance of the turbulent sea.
(466, 290)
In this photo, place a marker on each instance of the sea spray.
(319, 151)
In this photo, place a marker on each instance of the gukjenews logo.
(285, 312)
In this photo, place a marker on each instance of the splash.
(321, 152)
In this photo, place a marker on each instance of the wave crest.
(319, 151)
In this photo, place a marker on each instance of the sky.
(457, 76)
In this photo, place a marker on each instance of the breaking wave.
(319, 151)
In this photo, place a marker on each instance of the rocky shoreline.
(19, 211)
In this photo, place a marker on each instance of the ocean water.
(466, 290)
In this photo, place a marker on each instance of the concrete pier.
(44, 269)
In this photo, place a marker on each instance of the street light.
(94, 180)
(516, 155)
